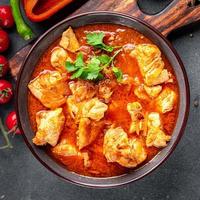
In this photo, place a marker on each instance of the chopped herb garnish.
(92, 69)
(96, 40)
(118, 73)
(104, 59)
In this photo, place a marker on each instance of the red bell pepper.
(39, 10)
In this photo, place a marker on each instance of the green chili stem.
(5, 134)
(22, 28)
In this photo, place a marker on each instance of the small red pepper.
(6, 18)
(38, 11)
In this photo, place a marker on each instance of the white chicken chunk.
(72, 106)
(64, 148)
(118, 148)
(94, 109)
(135, 110)
(154, 120)
(58, 58)
(69, 40)
(157, 138)
(140, 93)
(151, 64)
(82, 90)
(166, 100)
(50, 88)
(49, 126)
(153, 91)
(105, 89)
(87, 132)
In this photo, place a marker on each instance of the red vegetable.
(5, 91)
(3, 66)
(4, 41)
(6, 18)
(11, 123)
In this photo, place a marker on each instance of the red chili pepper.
(37, 12)
(4, 41)
(6, 18)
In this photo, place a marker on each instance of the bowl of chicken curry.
(103, 100)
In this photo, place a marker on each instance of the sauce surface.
(117, 111)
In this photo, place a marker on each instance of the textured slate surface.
(22, 177)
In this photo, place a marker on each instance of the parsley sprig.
(92, 69)
(96, 40)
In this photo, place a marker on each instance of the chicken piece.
(69, 40)
(58, 58)
(72, 106)
(49, 126)
(87, 132)
(155, 77)
(151, 64)
(140, 93)
(64, 148)
(154, 120)
(94, 109)
(105, 89)
(136, 126)
(157, 138)
(145, 55)
(50, 88)
(82, 90)
(153, 91)
(135, 110)
(166, 100)
(118, 148)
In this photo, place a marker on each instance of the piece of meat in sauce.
(118, 148)
(87, 132)
(69, 40)
(58, 59)
(137, 117)
(151, 64)
(156, 136)
(49, 126)
(50, 88)
(166, 100)
(66, 149)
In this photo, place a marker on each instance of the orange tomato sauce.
(117, 114)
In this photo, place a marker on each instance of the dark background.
(22, 177)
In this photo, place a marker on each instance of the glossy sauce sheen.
(117, 112)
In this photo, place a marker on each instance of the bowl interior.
(40, 47)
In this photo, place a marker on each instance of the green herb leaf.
(96, 40)
(118, 73)
(70, 67)
(79, 60)
(77, 74)
(104, 59)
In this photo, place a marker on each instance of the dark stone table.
(22, 177)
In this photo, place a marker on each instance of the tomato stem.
(5, 134)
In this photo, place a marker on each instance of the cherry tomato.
(11, 123)
(4, 41)
(5, 91)
(3, 66)
(6, 17)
